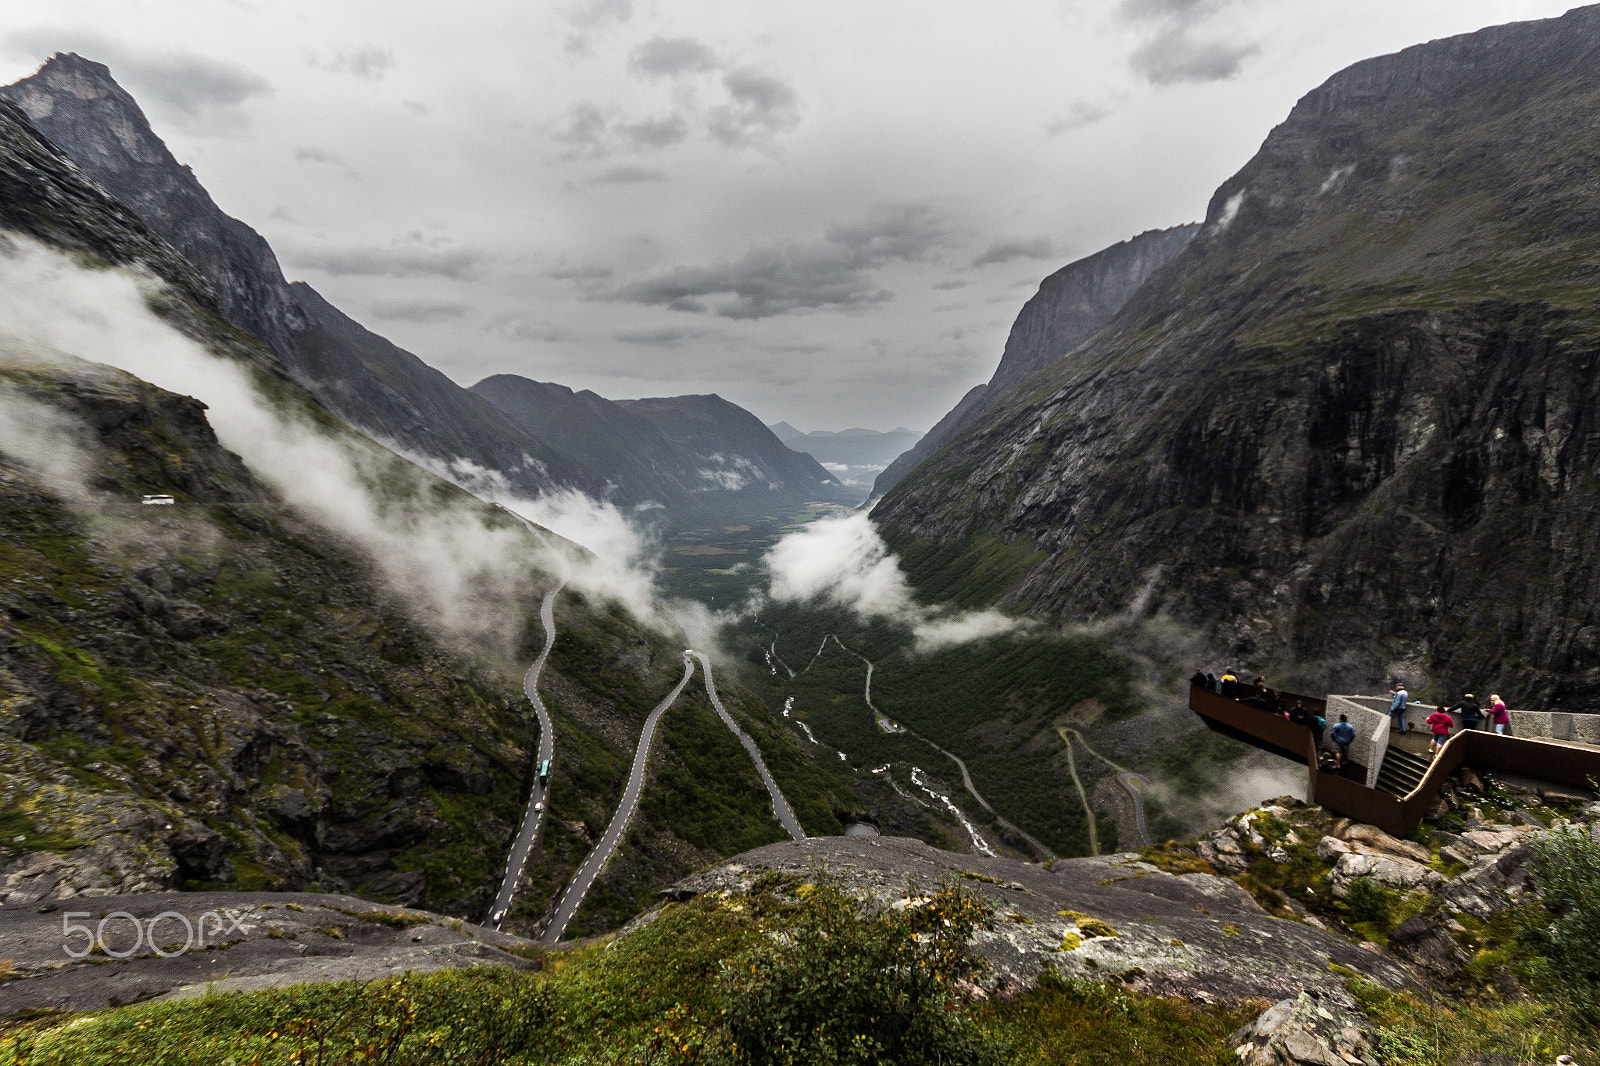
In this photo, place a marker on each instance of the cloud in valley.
(843, 561)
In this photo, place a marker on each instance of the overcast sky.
(829, 212)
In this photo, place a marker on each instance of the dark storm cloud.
(1080, 113)
(668, 57)
(628, 175)
(419, 310)
(1173, 55)
(1006, 249)
(367, 62)
(833, 272)
(400, 262)
(759, 106)
(185, 86)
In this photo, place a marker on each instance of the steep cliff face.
(360, 376)
(1350, 429)
(1070, 306)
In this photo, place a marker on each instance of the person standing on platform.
(1343, 734)
(1469, 711)
(1398, 697)
(1441, 723)
(1499, 717)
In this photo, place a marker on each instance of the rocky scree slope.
(1070, 306)
(363, 378)
(1350, 429)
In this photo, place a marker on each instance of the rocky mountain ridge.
(1348, 430)
(700, 457)
(1070, 306)
(361, 376)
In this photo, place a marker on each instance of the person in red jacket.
(1441, 723)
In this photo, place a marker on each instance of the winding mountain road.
(533, 817)
(780, 806)
(578, 887)
(1129, 780)
(888, 725)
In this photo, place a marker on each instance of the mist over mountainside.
(699, 457)
(79, 106)
(302, 672)
(1070, 306)
(1350, 429)
(358, 374)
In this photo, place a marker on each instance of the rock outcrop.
(1194, 934)
(1350, 428)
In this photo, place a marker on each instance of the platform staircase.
(1402, 771)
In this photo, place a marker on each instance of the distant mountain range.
(855, 456)
(728, 466)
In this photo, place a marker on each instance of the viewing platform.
(1389, 780)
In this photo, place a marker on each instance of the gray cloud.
(188, 88)
(759, 106)
(1006, 249)
(1080, 113)
(393, 262)
(668, 57)
(654, 132)
(584, 127)
(581, 272)
(594, 14)
(950, 283)
(663, 338)
(519, 329)
(419, 310)
(416, 107)
(367, 62)
(799, 275)
(1174, 53)
(1186, 10)
(316, 155)
(1173, 56)
(628, 175)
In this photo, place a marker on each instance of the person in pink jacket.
(1441, 723)
(1498, 714)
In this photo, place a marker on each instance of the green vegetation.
(993, 703)
(790, 974)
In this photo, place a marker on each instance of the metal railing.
(1546, 760)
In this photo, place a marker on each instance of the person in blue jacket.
(1343, 734)
(1397, 707)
